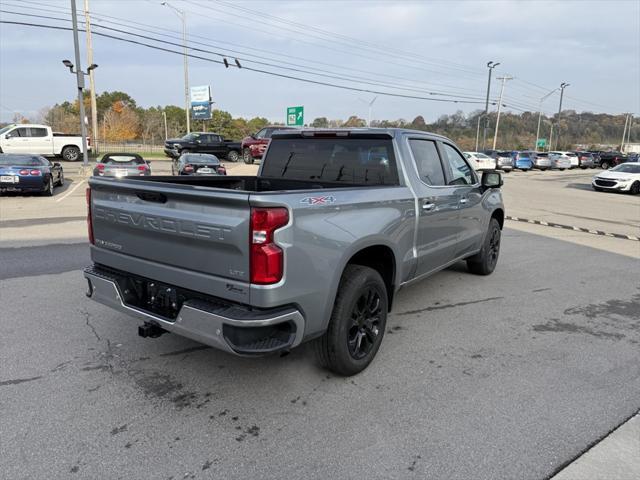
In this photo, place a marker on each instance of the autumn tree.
(121, 123)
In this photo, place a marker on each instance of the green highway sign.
(542, 142)
(295, 116)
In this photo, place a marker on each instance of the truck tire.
(246, 156)
(233, 156)
(484, 262)
(357, 323)
(71, 153)
(605, 165)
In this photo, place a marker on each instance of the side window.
(427, 161)
(38, 132)
(268, 132)
(461, 172)
(20, 132)
(261, 133)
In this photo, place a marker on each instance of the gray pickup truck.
(313, 248)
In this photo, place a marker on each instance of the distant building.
(631, 148)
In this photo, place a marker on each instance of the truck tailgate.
(193, 231)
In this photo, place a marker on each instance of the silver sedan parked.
(122, 165)
(540, 160)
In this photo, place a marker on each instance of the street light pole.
(183, 16)
(563, 85)
(92, 84)
(480, 117)
(490, 66)
(80, 83)
(495, 135)
(624, 131)
(540, 116)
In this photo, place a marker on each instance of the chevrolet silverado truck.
(255, 145)
(314, 248)
(203, 142)
(40, 140)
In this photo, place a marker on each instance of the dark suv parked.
(203, 142)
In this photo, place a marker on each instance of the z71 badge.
(323, 200)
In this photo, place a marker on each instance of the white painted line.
(69, 192)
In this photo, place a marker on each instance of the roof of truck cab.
(392, 132)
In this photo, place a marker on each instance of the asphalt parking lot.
(508, 376)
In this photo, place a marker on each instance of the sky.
(416, 48)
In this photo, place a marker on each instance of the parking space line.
(69, 192)
(577, 229)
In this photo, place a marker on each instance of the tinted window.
(461, 172)
(38, 132)
(268, 132)
(23, 160)
(367, 161)
(525, 155)
(19, 132)
(123, 160)
(213, 138)
(261, 133)
(427, 161)
(200, 159)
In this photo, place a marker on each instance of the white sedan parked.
(622, 178)
(480, 161)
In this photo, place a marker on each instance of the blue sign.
(201, 110)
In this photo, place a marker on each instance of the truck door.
(16, 141)
(437, 208)
(467, 189)
(40, 142)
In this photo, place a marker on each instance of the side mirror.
(491, 179)
(56, 164)
(8, 136)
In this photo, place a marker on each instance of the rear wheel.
(484, 262)
(71, 153)
(246, 156)
(233, 156)
(61, 179)
(357, 322)
(48, 189)
(605, 165)
(635, 188)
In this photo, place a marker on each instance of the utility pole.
(563, 85)
(80, 82)
(495, 135)
(535, 147)
(92, 84)
(629, 128)
(183, 16)
(166, 131)
(624, 132)
(480, 117)
(491, 65)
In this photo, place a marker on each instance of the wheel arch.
(381, 258)
(498, 214)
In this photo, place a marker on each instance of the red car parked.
(254, 145)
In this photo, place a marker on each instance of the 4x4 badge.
(323, 200)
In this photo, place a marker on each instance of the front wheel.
(246, 156)
(605, 165)
(357, 322)
(61, 179)
(484, 262)
(635, 188)
(233, 156)
(71, 154)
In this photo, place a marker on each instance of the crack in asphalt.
(450, 305)
(16, 381)
(87, 316)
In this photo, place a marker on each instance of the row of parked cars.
(507, 160)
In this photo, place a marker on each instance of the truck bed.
(246, 184)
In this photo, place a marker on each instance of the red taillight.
(142, 168)
(35, 172)
(188, 168)
(222, 170)
(89, 220)
(100, 166)
(267, 259)
(24, 172)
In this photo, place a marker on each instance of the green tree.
(320, 122)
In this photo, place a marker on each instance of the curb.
(575, 229)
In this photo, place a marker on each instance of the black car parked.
(610, 159)
(29, 173)
(203, 142)
(197, 164)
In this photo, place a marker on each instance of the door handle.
(428, 206)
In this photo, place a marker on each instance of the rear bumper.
(171, 152)
(230, 327)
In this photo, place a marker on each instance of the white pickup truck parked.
(40, 140)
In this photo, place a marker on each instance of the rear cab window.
(123, 160)
(364, 160)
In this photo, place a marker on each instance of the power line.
(266, 72)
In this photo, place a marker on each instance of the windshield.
(626, 168)
(368, 161)
(123, 160)
(5, 129)
(483, 156)
(210, 159)
(190, 136)
(23, 161)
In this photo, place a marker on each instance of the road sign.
(200, 102)
(295, 116)
(541, 143)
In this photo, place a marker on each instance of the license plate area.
(9, 179)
